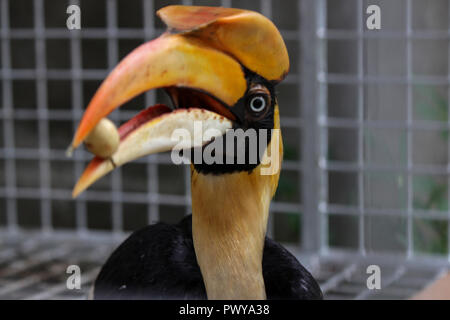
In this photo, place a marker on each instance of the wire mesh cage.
(364, 116)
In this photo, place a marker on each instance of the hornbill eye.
(257, 103)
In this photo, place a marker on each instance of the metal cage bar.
(360, 160)
(308, 88)
(322, 106)
(113, 59)
(43, 133)
(409, 145)
(8, 126)
(150, 99)
(77, 109)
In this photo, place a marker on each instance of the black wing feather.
(159, 262)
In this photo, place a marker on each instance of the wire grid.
(45, 193)
(361, 165)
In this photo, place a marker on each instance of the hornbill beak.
(201, 62)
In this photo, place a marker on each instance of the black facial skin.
(246, 119)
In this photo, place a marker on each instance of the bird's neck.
(229, 225)
(229, 222)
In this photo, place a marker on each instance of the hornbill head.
(219, 66)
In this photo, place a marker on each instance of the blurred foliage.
(287, 187)
(289, 152)
(431, 236)
(431, 105)
(430, 194)
(287, 226)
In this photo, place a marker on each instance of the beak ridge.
(170, 60)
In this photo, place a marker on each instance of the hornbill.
(219, 66)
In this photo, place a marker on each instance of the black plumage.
(159, 262)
